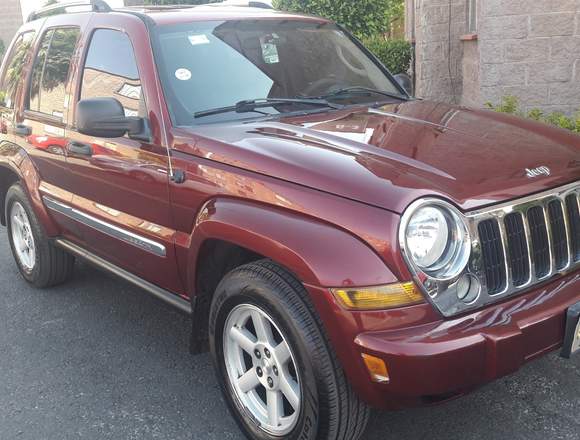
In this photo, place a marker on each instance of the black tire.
(53, 266)
(330, 410)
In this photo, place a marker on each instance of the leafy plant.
(362, 17)
(511, 105)
(2, 50)
(394, 54)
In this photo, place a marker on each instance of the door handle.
(79, 149)
(22, 130)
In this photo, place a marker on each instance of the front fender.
(318, 253)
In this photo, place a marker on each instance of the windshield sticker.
(269, 49)
(183, 74)
(196, 40)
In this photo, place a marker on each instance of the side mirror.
(105, 118)
(405, 82)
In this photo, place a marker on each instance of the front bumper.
(442, 359)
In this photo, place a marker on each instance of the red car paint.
(321, 195)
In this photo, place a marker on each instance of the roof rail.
(63, 8)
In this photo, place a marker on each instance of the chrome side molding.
(106, 228)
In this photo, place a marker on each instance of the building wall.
(525, 48)
(438, 68)
(10, 20)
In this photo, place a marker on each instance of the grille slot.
(540, 244)
(559, 237)
(493, 257)
(574, 224)
(517, 249)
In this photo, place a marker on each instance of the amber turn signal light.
(380, 297)
(377, 368)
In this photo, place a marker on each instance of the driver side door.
(120, 186)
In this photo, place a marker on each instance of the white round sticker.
(183, 74)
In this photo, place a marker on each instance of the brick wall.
(526, 48)
(10, 20)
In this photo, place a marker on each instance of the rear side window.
(13, 73)
(113, 73)
(50, 72)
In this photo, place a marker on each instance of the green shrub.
(394, 54)
(2, 50)
(511, 105)
(362, 17)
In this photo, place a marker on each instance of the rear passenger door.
(121, 185)
(40, 126)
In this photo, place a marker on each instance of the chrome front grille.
(519, 244)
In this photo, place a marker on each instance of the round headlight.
(436, 239)
(427, 236)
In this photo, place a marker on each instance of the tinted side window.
(113, 72)
(47, 91)
(16, 61)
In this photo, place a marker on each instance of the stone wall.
(526, 48)
(439, 73)
(531, 49)
(10, 20)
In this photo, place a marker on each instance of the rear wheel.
(279, 375)
(39, 261)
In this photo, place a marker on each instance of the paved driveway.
(100, 359)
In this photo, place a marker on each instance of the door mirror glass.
(405, 82)
(105, 118)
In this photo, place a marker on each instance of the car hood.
(392, 155)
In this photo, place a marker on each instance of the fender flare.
(318, 253)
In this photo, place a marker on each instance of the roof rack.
(64, 8)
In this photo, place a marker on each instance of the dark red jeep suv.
(338, 244)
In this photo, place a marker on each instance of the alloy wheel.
(261, 369)
(22, 237)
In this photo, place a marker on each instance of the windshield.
(215, 64)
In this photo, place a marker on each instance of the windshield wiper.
(251, 105)
(358, 90)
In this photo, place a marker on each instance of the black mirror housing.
(405, 82)
(105, 118)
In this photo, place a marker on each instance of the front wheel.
(279, 375)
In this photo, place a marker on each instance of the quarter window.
(113, 73)
(14, 68)
(51, 69)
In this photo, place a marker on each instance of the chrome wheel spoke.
(263, 328)
(248, 381)
(244, 339)
(275, 407)
(282, 353)
(291, 391)
(16, 219)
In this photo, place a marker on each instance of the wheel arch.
(18, 167)
(8, 177)
(231, 232)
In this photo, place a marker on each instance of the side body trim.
(106, 228)
(164, 295)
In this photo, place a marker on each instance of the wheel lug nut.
(257, 353)
(270, 382)
(267, 352)
(275, 370)
(259, 372)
